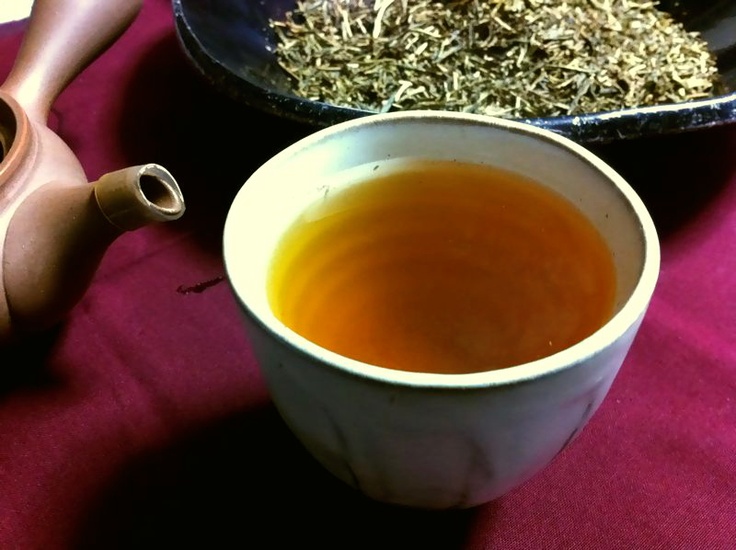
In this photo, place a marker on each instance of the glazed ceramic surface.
(432, 440)
(230, 43)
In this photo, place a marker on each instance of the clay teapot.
(55, 225)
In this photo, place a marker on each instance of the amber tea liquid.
(443, 267)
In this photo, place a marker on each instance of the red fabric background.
(144, 422)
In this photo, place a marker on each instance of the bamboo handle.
(62, 38)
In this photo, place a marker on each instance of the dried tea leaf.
(511, 58)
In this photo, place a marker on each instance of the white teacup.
(435, 440)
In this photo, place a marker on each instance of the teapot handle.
(62, 38)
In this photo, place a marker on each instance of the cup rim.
(632, 310)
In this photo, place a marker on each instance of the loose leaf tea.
(512, 58)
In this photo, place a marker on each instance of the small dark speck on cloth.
(200, 287)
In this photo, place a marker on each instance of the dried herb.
(513, 58)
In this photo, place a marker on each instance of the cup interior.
(289, 182)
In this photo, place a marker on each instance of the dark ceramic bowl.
(231, 44)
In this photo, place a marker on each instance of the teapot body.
(32, 156)
(55, 225)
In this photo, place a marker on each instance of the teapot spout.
(60, 233)
(134, 197)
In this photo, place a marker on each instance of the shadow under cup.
(427, 440)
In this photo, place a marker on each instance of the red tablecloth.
(144, 422)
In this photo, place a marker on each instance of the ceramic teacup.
(424, 440)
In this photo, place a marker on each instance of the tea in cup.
(439, 301)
